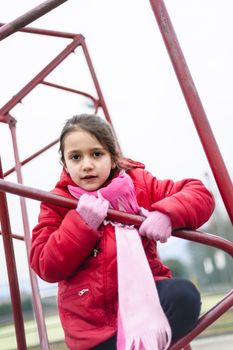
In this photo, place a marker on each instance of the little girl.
(113, 290)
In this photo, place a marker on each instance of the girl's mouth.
(89, 177)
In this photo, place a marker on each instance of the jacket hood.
(65, 180)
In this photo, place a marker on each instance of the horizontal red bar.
(125, 218)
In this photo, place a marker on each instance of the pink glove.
(121, 194)
(156, 226)
(92, 210)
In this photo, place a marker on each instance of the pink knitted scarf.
(142, 324)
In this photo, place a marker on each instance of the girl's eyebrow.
(98, 148)
(94, 149)
(73, 151)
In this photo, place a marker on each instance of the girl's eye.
(75, 157)
(97, 154)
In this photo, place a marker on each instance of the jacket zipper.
(83, 291)
(105, 279)
(95, 252)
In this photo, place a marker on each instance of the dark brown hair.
(96, 126)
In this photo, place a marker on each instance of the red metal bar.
(206, 238)
(96, 83)
(12, 271)
(193, 101)
(21, 238)
(39, 314)
(125, 218)
(187, 347)
(25, 161)
(7, 119)
(41, 195)
(58, 34)
(98, 89)
(95, 102)
(33, 193)
(208, 318)
(40, 76)
(29, 17)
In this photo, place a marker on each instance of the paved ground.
(222, 342)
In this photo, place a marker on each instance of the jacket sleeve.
(60, 243)
(188, 202)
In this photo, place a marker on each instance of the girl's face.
(86, 160)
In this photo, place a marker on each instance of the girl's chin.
(90, 185)
(90, 188)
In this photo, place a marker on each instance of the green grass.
(52, 346)
(54, 330)
(224, 324)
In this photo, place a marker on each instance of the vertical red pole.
(44, 343)
(12, 272)
(196, 109)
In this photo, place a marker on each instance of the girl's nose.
(87, 163)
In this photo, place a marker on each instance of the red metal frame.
(201, 123)
(29, 17)
(25, 161)
(194, 104)
(11, 269)
(5, 117)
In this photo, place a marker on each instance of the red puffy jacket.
(83, 260)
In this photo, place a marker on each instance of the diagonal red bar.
(40, 31)
(34, 155)
(30, 16)
(196, 109)
(40, 76)
(208, 318)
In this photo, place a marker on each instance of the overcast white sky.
(139, 85)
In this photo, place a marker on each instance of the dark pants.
(181, 303)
